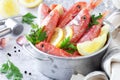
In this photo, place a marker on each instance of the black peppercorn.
(15, 51)
(18, 50)
(25, 72)
(14, 47)
(8, 54)
(30, 74)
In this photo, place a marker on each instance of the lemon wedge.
(68, 32)
(9, 8)
(89, 47)
(30, 3)
(57, 37)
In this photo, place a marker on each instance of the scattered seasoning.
(14, 47)
(19, 50)
(30, 74)
(8, 54)
(25, 72)
(15, 51)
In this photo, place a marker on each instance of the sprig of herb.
(94, 20)
(28, 18)
(68, 46)
(36, 35)
(11, 71)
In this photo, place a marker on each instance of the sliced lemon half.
(9, 8)
(30, 3)
(89, 47)
(57, 37)
(68, 32)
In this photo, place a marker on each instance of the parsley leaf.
(34, 26)
(11, 71)
(68, 46)
(94, 20)
(36, 35)
(65, 42)
(28, 18)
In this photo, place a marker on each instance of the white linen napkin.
(115, 71)
(111, 61)
(96, 75)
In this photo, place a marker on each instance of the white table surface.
(20, 59)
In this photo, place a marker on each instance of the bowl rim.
(71, 58)
(79, 57)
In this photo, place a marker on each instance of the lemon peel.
(30, 3)
(89, 47)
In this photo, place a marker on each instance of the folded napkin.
(111, 60)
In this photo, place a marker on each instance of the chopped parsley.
(28, 18)
(94, 20)
(11, 71)
(68, 46)
(36, 35)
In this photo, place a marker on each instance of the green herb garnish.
(94, 20)
(28, 18)
(36, 35)
(68, 46)
(11, 71)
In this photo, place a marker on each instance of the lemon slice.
(68, 32)
(30, 3)
(89, 47)
(57, 37)
(9, 8)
